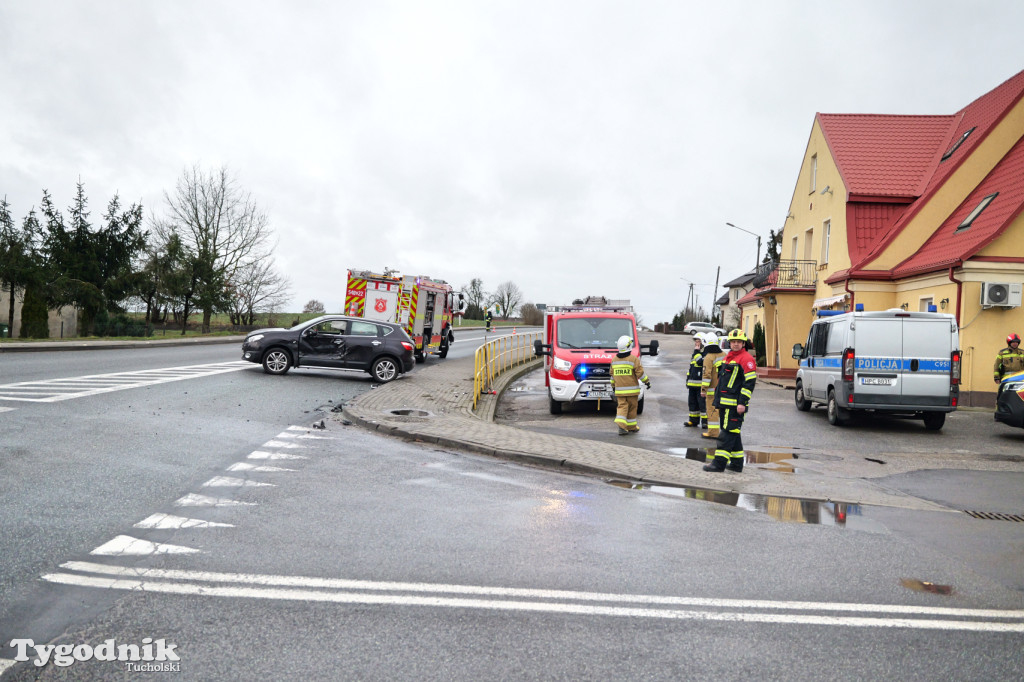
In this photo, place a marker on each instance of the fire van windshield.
(593, 332)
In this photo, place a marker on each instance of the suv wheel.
(276, 361)
(802, 403)
(384, 369)
(933, 421)
(837, 416)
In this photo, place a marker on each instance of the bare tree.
(507, 297)
(475, 298)
(221, 227)
(257, 288)
(531, 315)
(314, 306)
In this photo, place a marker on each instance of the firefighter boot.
(690, 423)
(717, 465)
(703, 423)
(735, 464)
(710, 433)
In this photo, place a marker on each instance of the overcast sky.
(574, 148)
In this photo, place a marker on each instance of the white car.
(694, 327)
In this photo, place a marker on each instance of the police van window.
(820, 334)
(834, 345)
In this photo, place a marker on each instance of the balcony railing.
(786, 274)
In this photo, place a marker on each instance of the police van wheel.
(554, 406)
(802, 403)
(837, 416)
(933, 421)
(640, 406)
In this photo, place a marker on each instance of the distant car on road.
(382, 349)
(694, 327)
(1010, 405)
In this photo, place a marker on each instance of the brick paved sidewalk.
(433, 404)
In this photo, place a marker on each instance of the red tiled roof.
(892, 166)
(947, 246)
(885, 156)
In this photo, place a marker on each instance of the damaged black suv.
(382, 349)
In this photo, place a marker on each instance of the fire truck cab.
(579, 345)
(423, 306)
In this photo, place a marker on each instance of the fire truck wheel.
(276, 361)
(444, 351)
(420, 357)
(640, 406)
(554, 406)
(384, 370)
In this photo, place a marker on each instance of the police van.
(904, 364)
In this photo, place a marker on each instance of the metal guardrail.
(500, 355)
(786, 274)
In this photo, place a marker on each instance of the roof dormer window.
(976, 212)
(956, 145)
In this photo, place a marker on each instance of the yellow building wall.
(953, 192)
(787, 323)
(810, 209)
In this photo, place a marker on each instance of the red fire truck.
(579, 345)
(423, 306)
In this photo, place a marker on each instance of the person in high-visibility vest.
(487, 319)
(736, 378)
(713, 357)
(627, 373)
(697, 404)
(1010, 360)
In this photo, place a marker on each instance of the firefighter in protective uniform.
(1010, 360)
(627, 373)
(713, 357)
(736, 378)
(698, 410)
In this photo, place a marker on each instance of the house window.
(814, 172)
(826, 234)
(956, 145)
(792, 253)
(808, 241)
(976, 212)
(923, 304)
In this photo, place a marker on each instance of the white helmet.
(708, 338)
(625, 343)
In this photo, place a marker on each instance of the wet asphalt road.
(76, 474)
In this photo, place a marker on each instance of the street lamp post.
(758, 260)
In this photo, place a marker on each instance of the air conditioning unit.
(1001, 294)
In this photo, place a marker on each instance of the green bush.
(759, 346)
(34, 316)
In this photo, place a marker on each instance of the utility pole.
(714, 297)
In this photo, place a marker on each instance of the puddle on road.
(788, 509)
(776, 460)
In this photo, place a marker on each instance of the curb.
(43, 346)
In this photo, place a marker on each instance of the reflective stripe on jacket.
(736, 378)
(694, 375)
(627, 373)
(713, 358)
(1009, 361)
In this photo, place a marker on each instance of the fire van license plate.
(877, 381)
(595, 393)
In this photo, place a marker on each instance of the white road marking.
(5, 663)
(170, 521)
(479, 597)
(193, 500)
(124, 545)
(229, 482)
(7, 409)
(303, 436)
(245, 466)
(281, 444)
(54, 390)
(260, 454)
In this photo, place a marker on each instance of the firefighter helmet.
(1011, 338)
(737, 335)
(625, 343)
(709, 338)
